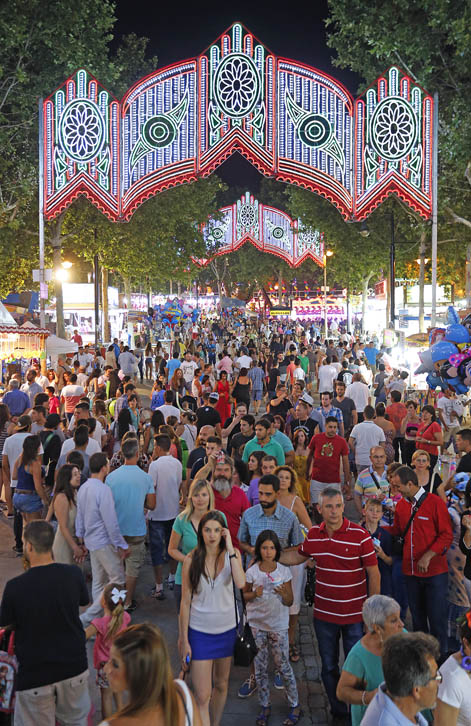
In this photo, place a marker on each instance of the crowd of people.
(234, 481)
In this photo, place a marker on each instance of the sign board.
(280, 310)
(381, 290)
(42, 275)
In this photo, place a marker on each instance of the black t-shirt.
(52, 450)
(198, 453)
(239, 440)
(347, 406)
(207, 416)
(43, 605)
(308, 426)
(281, 408)
(273, 379)
(235, 430)
(464, 464)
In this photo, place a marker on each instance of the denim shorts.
(159, 537)
(27, 503)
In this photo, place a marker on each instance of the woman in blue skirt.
(208, 614)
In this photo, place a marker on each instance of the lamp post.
(327, 253)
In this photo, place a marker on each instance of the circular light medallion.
(237, 85)
(217, 233)
(393, 128)
(278, 233)
(314, 130)
(247, 215)
(159, 131)
(81, 130)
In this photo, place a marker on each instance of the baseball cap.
(214, 396)
(306, 398)
(23, 422)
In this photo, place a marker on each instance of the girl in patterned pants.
(268, 594)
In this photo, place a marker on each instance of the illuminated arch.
(293, 122)
(267, 228)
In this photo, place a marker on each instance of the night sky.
(180, 30)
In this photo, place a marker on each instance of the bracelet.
(231, 556)
(363, 702)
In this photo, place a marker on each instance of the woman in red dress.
(223, 406)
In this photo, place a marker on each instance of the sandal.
(293, 653)
(293, 718)
(263, 716)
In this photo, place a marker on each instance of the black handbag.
(245, 648)
(310, 589)
(397, 547)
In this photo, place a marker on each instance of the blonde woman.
(183, 538)
(428, 479)
(289, 496)
(140, 664)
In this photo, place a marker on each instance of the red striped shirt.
(340, 570)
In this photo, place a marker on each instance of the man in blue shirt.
(132, 490)
(96, 526)
(326, 409)
(172, 366)
(17, 401)
(371, 353)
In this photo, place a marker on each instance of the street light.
(61, 274)
(66, 264)
(327, 253)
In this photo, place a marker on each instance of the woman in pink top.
(225, 364)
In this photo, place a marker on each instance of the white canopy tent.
(59, 346)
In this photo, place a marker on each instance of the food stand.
(19, 344)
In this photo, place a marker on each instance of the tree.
(430, 40)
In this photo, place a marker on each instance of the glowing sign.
(291, 121)
(267, 228)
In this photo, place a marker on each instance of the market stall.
(19, 344)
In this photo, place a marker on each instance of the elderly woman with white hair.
(362, 671)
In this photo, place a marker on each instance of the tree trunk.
(170, 287)
(179, 289)
(422, 284)
(364, 300)
(280, 285)
(56, 243)
(104, 305)
(127, 291)
(468, 276)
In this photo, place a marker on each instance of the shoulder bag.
(398, 540)
(245, 648)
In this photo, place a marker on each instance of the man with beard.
(228, 499)
(52, 677)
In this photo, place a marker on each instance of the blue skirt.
(205, 646)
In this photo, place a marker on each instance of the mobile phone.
(376, 542)
(220, 458)
(187, 659)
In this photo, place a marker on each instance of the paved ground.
(163, 614)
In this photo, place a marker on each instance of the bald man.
(372, 483)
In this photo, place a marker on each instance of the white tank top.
(212, 607)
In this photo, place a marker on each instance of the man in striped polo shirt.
(346, 574)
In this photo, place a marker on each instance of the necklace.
(212, 580)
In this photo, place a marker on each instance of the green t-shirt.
(273, 448)
(304, 360)
(188, 541)
(367, 668)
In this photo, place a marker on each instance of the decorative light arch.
(267, 228)
(293, 122)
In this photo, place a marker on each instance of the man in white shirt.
(449, 411)
(31, 388)
(128, 362)
(166, 472)
(82, 377)
(243, 361)
(85, 358)
(364, 437)
(82, 415)
(326, 375)
(93, 447)
(188, 367)
(168, 409)
(359, 393)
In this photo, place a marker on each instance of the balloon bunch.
(172, 313)
(448, 360)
